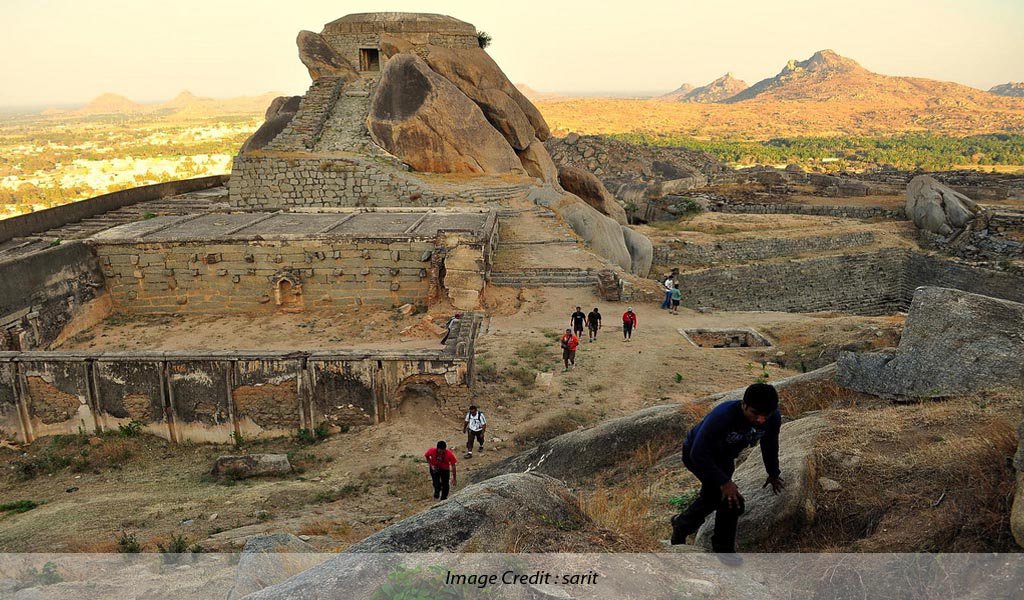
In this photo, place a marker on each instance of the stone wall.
(41, 292)
(303, 131)
(672, 253)
(937, 271)
(849, 212)
(275, 181)
(219, 396)
(869, 283)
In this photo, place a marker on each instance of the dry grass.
(919, 478)
(552, 426)
(626, 510)
(334, 529)
(797, 400)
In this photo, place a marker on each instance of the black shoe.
(729, 559)
(678, 533)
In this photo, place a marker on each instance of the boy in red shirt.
(628, 324)
(441, 462)
(569, 342)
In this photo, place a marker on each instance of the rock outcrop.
(1017, 513)
(938, 209)
(602, 234)
(768, 515)
(429, 123)
(954, 342)
(251, 465)
(268, 560)
(278, 115)
(320, 59)
(641, 251)
(590, 189)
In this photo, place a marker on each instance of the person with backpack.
(628, 324)
(443, 474)
(569, 343)
(710, 451)
(475, 424)
(594, 323)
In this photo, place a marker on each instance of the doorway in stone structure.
(369, 59)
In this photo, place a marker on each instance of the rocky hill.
(185, 105)
(676, 95)
(1013, 88)
(108, 103)
(719, 90)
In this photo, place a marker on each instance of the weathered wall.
(930, 270)
(848, 212)
(870, 283)
(42, 291)
(51, 218)
(678, 253)
(218, 396)
(287, 180)
(212, 277)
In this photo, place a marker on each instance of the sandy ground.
(355, 483)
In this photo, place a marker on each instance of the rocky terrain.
(719, 90)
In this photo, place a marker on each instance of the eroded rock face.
(767, 514)
(641, 251)
(601, 233)
(479, 514)
(266, 560)
(424, 119)
(1017, 514)
(592, 191)
(953, 342)
(538, 163)
(278, 115)
(320, 59)
(251, 465)
(938, 209)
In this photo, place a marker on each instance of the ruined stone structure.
(357, 37)
(265, 262)
(218, 396)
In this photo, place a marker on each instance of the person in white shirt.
(475, 425)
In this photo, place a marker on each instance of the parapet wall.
(221, 396)
(847, 212)
(275, 181)
(41, 292)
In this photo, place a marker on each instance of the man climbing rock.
(441, 462)
(475, 424)
(577, 320)
(628, 324)
(569, 343)
(710, 452)
(594, 323)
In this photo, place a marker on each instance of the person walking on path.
(569, 343)
(677, 297)
(628, 324)
(452, 322)
(710, 452)
(475, 425)
(577, 320)
(441, 462)
(594, 323)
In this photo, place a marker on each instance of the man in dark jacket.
(710, 452)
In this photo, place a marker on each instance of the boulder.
(538, 163)
(320, 59)
(592, 191)
(280, 112)
(601, 233)
(474, 72)
(251, 465)
(267, 560)
(953, 342)
(768, 515)
(641, 251)
(479, 514)
(426, 121)
(938, 209)
(1017, 513)
(391, 45)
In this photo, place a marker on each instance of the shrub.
(484, 39)
(47, 576)
(683, 501)
(132, 428)
(176, 545)
(18, 506)
(128, 544)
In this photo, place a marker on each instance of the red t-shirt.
(628, 317)
(571, 342)
(437, 461)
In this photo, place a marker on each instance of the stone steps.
(564, 278)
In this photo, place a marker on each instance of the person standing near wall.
(677, 298)
(443, 474)
(452, 322)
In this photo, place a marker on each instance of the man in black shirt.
(593, 323)
(577, 319)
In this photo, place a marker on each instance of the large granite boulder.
(768, 515)
(953, 342)
(267, 560)
(251, 465)
(280, 112)
(480, 514)
(426, 121)
(538, 163)
(588, 187)
(320, 59)
(641, 251)
(474, 72)
(602, 234)
(938, 209)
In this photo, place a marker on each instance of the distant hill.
(1014, 89)
(719, 90)
(533, 95)
(675, 95)
(108, 104)
(828, 77)
(185, 105)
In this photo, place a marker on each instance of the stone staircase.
(555, 277)
(493, 193)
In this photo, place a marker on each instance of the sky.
(63, 52)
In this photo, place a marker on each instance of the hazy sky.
(67, 51)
